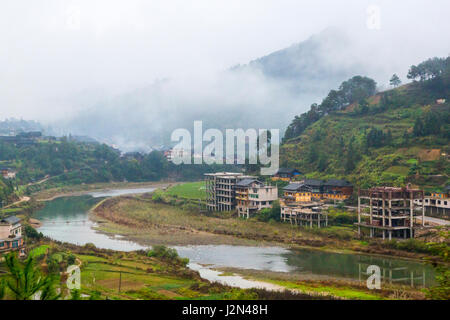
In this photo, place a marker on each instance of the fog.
(129, 72)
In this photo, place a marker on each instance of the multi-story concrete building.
(11, 235)
(253, 195)
(390, 212)
(220, 190)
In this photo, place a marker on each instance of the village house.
(298, 205)
(390, 212)
(253, 195)
(339, 190)
(8, 173)
(11, 236)
(286, 174)
(437, 203)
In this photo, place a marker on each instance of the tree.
(26, 281)
(429, 69)
(395, 81)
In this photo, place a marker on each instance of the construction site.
(388, 212)
(305, 215)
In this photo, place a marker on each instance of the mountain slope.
(391, 138)
(266, 92)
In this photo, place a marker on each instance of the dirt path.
(23, 199)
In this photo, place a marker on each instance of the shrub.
(169, 254)
(32, 233)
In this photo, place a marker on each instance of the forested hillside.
(388, 138)
(66, 162)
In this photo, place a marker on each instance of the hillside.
(392, 138)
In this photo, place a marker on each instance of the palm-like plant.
(27, 281)
(2, 289)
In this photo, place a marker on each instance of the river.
(66, 219)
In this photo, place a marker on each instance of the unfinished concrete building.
(306, 215)
(220, 190)
(390, 212)
(298, 208)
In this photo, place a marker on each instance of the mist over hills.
(265, 93)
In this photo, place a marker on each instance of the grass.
(39, 251)
(138, 276)
(333, 290)
(191, 190)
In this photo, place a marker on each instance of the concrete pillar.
(411, 209)
(423, 209)
(359, 215)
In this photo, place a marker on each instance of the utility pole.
(120, 280)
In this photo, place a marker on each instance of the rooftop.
(313, 182)
(247, 182)
(224, 174)
(287, 170)
(10, 220)
(295, 186)
(338, 183)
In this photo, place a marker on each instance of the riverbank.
(139, 218)
(82, 189)
(336, 288)
(66, 219)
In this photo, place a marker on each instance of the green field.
(191, 190)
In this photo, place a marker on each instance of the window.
(2, 244)
(445, 202)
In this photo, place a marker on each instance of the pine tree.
(395, 81)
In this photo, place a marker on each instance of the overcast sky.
(53, 52)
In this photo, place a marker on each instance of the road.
(437, 221)
(23, 199)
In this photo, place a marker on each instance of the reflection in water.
(119, 192)
(66, 219)
(312, 263)
(234, 280)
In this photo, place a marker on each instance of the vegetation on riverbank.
(336, 288)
